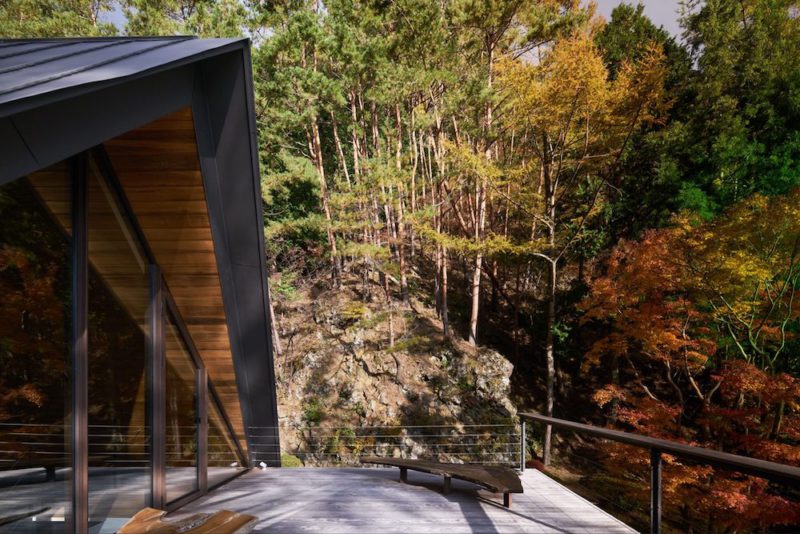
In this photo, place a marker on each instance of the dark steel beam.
(103, 161)
(202, 429)
(522, 445)
(156, 390)
(80, 358)
(222, 109)
(655, 491)
(49, 133)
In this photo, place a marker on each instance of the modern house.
(135, 350)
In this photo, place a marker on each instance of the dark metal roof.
(34, 68)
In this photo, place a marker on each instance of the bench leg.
(507, 500)
(446, 488)
(50, 473)
(403, 474)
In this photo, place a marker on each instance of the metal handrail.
(785, 474)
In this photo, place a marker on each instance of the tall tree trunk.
(550, 357)
(480, 208)
(401, 231)
(476, 299)
(315, 148)
(276, 340)
(549, 182)
(445, 319)
(340, 152)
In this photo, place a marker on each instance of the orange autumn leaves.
(698, 325)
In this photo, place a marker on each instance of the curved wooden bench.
(496, 479)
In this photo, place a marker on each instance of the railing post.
(655, 491)
(522, 445)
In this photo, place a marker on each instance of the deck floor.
(349, 500)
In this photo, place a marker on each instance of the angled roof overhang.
(61, 97)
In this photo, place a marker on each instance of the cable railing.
(489, 444)
(25, 446)
(781, 473)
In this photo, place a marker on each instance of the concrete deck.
(351, 500)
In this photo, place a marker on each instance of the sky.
(661, 12)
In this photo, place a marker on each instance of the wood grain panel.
(159, 169)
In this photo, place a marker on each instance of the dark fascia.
(14, 107)
(223, 108)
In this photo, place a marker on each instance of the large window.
(85, 316)
(224, 459)
(35, 362)
(181, 415)
(119, 292)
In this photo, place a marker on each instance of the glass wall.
(224, 460)
(35, 361)
(119, 293)
(181, 415)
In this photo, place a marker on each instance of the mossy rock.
(288, 460)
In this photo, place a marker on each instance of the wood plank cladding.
(158, 167)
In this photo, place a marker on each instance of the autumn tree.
(699, 329)
(574, 123)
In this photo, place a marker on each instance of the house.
(135, 351)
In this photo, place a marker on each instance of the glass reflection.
(35, 333)
(119, 465)
(223, 456)
(181, 416)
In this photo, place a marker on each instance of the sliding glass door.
(182, 415)
(119, 293)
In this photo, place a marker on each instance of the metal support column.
(80, 356)
(655, 491)
(522, 445)
(202, 429)
(156, 391)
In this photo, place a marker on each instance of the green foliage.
(354, 311)
(744, 103)
(204, 18)
(54, 18)
(284, 285)
(359, 409)
(313, 411)
(411, 344)
(288, 460)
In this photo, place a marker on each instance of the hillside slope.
(338, 368)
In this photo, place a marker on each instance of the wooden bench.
(151, 521)
(496, 479)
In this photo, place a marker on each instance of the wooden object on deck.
(151, 521)
(496, 479)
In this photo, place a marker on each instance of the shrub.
(313, 411)
(288, 460)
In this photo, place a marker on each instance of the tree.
(205, 18)
(740, 135)
(701, 321)
(576, 124)
(54, 18)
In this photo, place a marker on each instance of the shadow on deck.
(373, 500)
